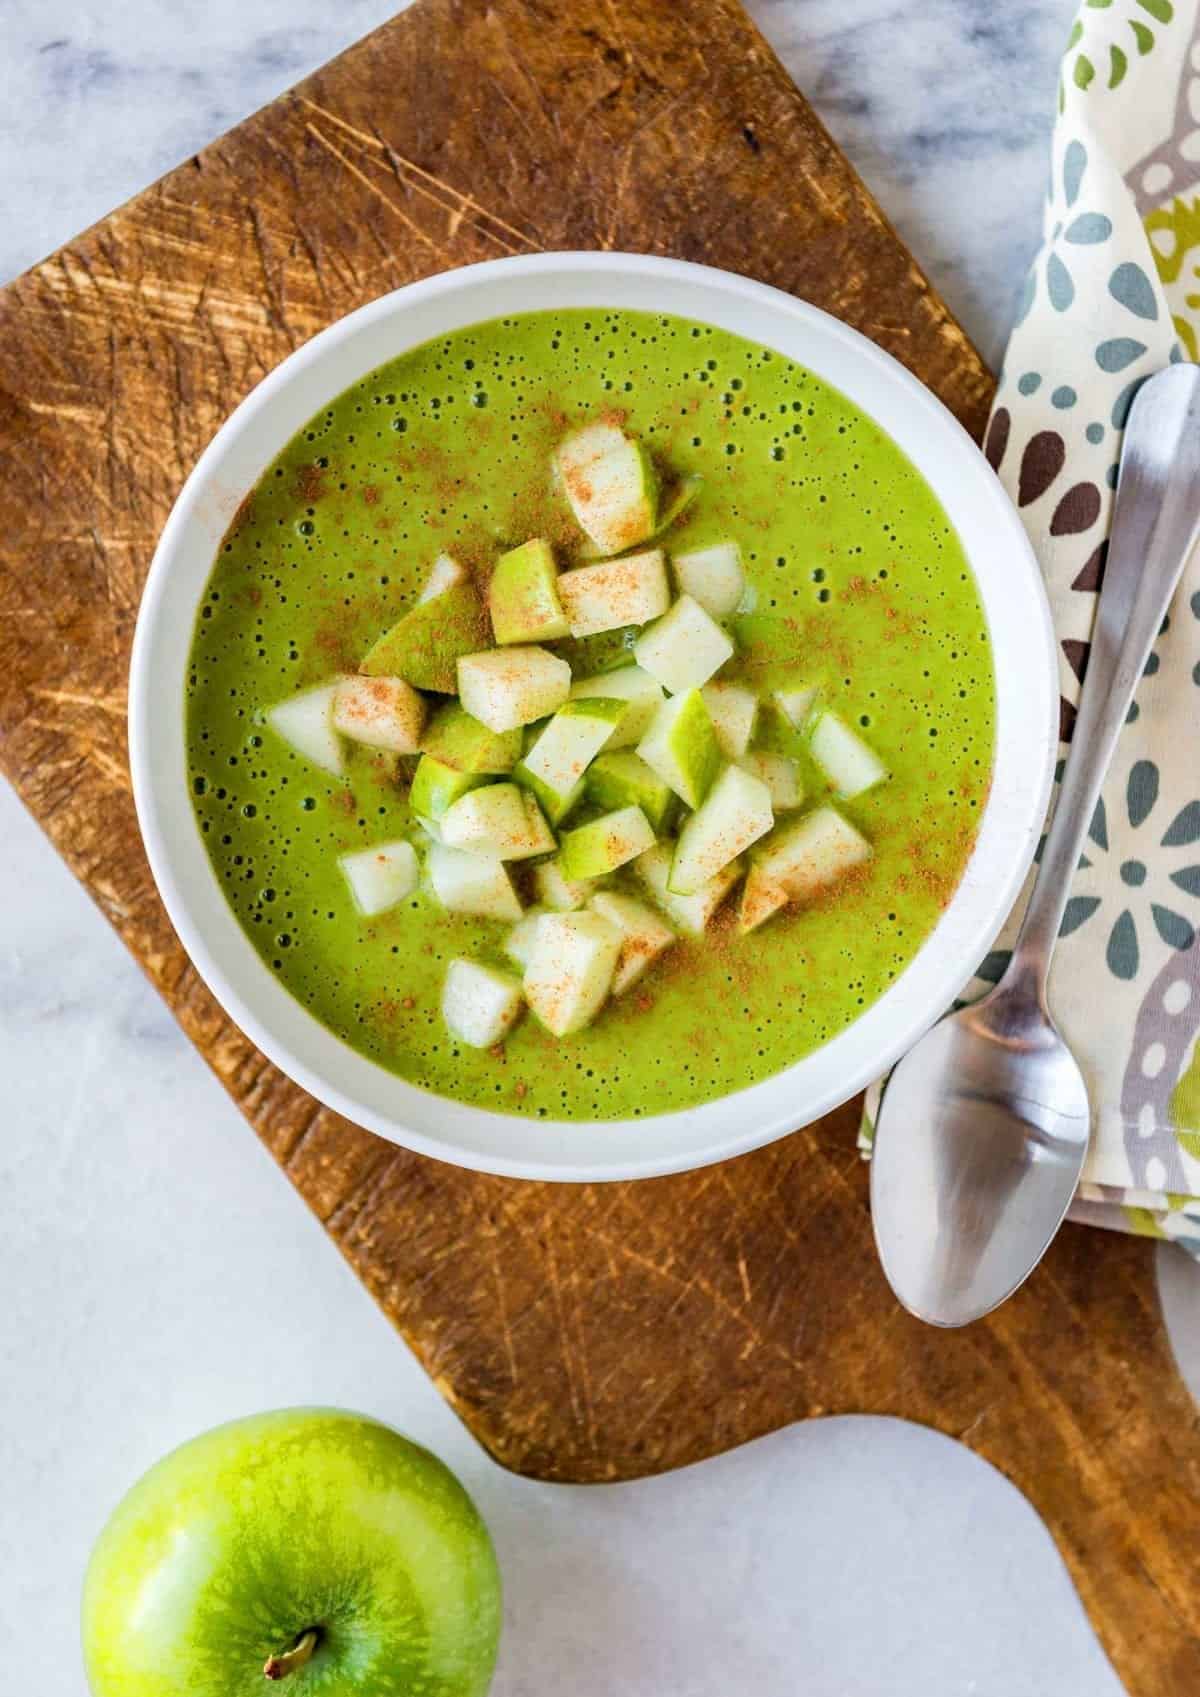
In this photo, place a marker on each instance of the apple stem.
(287, 1661)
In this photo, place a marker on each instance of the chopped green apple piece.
(809, 853)
(445, 573)
(637, 689)
(480, 1004)
(436, 786)
(735, 813)
(644, 936)
(610, 482)
(380, 712)
(499, 819)
(677, 501)
(599, 847)
(455, 738)
(571, 971)
(382, 876)
(306, 724)
(615, 593)
(733, 710)
(424, 646)
(684, 648)
(562, 895)
(846, 760)
(523, 595)
(621, 778)
(690, 913)
(673, 503)
(779, 774)
(713, 577)
(476, 884)
(518, 945)
(508, 687)
(557, 764)
(761, 898)
(681, 746)
(796, 703)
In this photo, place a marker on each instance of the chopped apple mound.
(670, 742)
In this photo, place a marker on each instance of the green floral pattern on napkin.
(1113, 295)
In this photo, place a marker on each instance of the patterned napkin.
(1113, 295)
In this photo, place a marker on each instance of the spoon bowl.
(987, 1169)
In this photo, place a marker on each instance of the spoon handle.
(1156, 521)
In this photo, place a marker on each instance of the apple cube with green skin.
(691, 913)
(455, 738)
(380, 712)
(611, 485)
(761, 898)
(639, 692)
(681, 746)
(846, 760)
(735, 813)
(305, 723)
(480, 1004)
(571, 970)
(599, 847)
(622, 778)
(308, 1543)
(672, 505)
(733, 710)
(509, 687)
(629, 591)
(523, 596)
(557, 764)
(436, 786)
(381, 877)
(473, 884)
(518, 945)
(644, 936)
(684, 648)
(808, 854)
(796, 702)
(501, 820)
(425, 645)
(713, 577)
(562, 895)
(444, 573)
(779, 774)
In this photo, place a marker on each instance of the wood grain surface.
(583, 1333)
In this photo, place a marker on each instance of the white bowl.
(1026, 678)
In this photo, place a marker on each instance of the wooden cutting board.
(583, 1333)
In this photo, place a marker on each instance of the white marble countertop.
(159, 1276)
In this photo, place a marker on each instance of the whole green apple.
(308, 1545)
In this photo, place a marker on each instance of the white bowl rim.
(572, 1150)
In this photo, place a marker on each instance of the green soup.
(859, 586)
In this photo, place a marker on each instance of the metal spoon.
(984, 1125)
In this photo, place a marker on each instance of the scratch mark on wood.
(274, 290)
(115, 704)
(461, 206)
(502, 1306)
(349, 165)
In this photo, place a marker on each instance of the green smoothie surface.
(859, 587)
